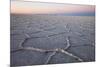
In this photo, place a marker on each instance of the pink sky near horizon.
(48, 8)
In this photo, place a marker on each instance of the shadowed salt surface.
(50, 32)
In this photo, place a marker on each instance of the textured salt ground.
(50, 32)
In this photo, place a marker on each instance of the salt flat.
(50, 32)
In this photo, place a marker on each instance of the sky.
(23, 7)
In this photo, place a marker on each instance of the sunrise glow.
(49, 8)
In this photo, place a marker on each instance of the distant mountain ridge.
(63, 14)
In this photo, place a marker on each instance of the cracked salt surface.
(39, 40)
